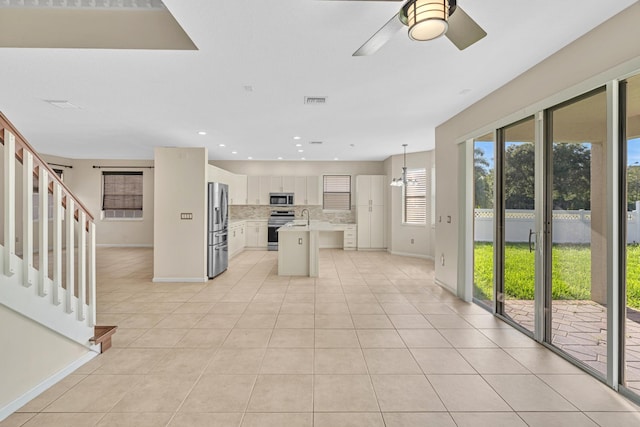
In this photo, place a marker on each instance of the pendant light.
(402, 181)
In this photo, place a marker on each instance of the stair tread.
(103, 333)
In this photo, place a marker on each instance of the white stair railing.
(60, 222)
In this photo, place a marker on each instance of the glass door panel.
(577, 247)
(483, 220)
(631, 326)
(518, 282)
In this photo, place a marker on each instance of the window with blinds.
(415, 197)
(336, 192)
(122, 194)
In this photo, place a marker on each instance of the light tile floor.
(372, 342)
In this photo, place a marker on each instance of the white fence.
(568, 226)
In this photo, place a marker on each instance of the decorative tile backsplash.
(315, 212)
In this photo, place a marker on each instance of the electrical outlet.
(442, 260)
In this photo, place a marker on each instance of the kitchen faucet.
(308, 219)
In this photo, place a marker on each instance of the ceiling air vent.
(315, 142)
(315, 100)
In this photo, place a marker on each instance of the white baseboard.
(179, 279)
(446, 287)
(122, 245)
(408, 254)
(43, 386)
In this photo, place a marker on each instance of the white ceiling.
(133, 100)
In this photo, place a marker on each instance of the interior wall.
(179, 252)
(30, 354)
(409, 239)
(85, 182)
(584, 64)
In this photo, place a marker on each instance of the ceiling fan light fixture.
(427, 19)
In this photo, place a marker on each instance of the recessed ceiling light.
(298, 145)
(296, 138)
(234, 152)
(279, 158)
(300, 151)
(250, 158)
(62, 103)
(221, 145)
(202, 132)
(302, 158)
(335, 158)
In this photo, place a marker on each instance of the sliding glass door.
(547, 224)
(577, 238)
(517, 229)
(483, 220)
(630, 375)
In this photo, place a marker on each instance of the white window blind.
(415, 197)
(336, 192)
(122, 191)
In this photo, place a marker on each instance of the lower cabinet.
(256, 234)
(370, 227)
(236, 238)
(350, 238)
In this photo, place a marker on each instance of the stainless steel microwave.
(281, 199)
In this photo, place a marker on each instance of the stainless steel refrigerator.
(217, 225)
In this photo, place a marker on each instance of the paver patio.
(579, 328)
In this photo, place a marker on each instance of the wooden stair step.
(102, 335)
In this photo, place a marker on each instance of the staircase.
(47, 250)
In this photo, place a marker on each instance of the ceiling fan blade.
(366, 0)
(463, 31)
(382, 36)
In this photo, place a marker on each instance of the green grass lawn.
(571, 272)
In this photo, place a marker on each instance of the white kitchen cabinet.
(289, 186)
(258, 189)
(349, 237)
(256, 234)
(299, 190)
(313, 197)
(253, 190)
(236, 238)
(275, 184)
(370, 191)
(265, 189)
(238, 190)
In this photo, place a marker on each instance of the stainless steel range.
(276, 220)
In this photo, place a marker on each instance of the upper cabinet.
(238, 190)
(370, 190)
(289, 186)
(305, 189)
(237, 184)
(313, 191)
(258, 189)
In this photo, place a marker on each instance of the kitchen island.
(299, 247)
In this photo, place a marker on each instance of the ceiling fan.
(427, 20)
